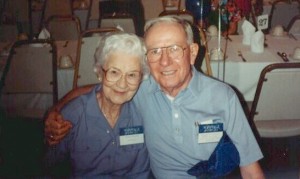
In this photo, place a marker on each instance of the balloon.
(199, 8)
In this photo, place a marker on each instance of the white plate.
(36, 45)
(291, 57)
(218, 59)
(284, 35)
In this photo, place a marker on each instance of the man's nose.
(165, 59)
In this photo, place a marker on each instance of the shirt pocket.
(84, 152)
(87, 146)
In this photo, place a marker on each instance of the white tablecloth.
(244, 75)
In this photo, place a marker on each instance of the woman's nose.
(122, 82)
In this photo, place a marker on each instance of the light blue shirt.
(93, 147)
(170, 126)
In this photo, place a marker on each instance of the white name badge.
(131, 135)
(210, 133)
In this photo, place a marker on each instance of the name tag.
(262, 22)
(131, 135)
(210, 132)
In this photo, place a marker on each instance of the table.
(244, 75)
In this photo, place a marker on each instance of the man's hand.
(56, 128)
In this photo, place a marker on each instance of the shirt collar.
(92, 107)
(195, 83)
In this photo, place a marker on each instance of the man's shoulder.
(207, 83)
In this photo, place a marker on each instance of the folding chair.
(55, 7)
(294, 25)
(8, 32)
(123, 21)
(275, 109)
(275, 114)
(14, 19)
(29, 71)
(64, 27)
(282, 11)
(184, 14)
(93, 14)
(84, 71)
(171, 5)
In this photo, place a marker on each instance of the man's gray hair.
(172, 19)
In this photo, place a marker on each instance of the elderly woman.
(107, 135)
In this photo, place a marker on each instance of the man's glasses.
(114, 75)
(173, 51)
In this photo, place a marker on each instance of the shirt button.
(113, 142)
(107, 131)
(177, 130)
(176, 115)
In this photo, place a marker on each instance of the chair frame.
(261, 81)
(44, 8)
(61, 18)
(274, 7)
(122, 15)
(93, 13)
(53, 83)
(87, 33)
(165, 6)
(293, 20)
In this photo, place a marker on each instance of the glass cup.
(65, 61)
(216, 54)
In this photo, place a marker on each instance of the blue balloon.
(199, 8)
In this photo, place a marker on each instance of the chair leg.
(294, 151)
(207, 59)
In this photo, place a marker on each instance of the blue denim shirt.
(171, 128)
(93, 147)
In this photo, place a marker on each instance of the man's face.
(172, 74)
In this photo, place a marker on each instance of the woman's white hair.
(120, 42)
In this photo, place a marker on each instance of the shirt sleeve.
(60, 152)
(240, 132)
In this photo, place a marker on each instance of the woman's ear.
(194, 48)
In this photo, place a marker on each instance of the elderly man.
(175, 101)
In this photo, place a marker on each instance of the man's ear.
(194, 48)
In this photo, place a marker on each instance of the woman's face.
(119, 91)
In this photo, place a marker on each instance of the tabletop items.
(65, 61)
(248, 31)
(252, 38)
(257, 42)
(244, 75)
(278, 31)
(212, 31)
(296, 54)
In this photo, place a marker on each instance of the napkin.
(44, 34)
(248, 30)
(257, 42)
(222, 161)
